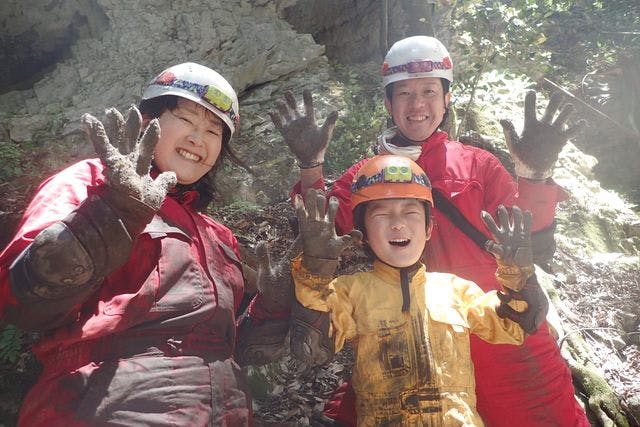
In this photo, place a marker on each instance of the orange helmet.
(390, 177)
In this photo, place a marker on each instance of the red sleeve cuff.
(258, 312)
(297, 188)
(541, 199)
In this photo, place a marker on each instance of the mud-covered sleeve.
(297, 187)
(541, 199)
(55, 199)
(480, 310)
(327, 295)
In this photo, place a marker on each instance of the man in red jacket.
(529, 385)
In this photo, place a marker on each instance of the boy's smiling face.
(190, 141)
(396, 230)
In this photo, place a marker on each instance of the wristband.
(311, 165)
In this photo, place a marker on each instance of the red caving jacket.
(154, 344)
(528, 385)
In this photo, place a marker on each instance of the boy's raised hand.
(512, 249)
(130, 190)
(321, 245)
(512, 245)
(307, 142)
(536, 151)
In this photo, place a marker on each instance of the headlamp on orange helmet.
(390, 177)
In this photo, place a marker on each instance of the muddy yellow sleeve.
(319, 293)
(483, 319)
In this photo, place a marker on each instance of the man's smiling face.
(417, 107)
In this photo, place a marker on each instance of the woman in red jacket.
(134, 288)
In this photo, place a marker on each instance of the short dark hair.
(205, 186)
(358, 223)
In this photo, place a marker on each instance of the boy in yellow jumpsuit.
(409, 328)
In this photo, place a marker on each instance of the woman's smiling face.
(190, 141)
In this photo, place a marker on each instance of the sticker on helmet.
(418, 66)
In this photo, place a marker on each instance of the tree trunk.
(419, 15)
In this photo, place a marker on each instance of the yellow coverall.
(412, 368)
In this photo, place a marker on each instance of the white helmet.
(416, 57)
(201, 85)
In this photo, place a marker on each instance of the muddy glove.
(130, 191)
(307, 142)
(536, 151)
(274, 279)
(68, 260)
(309, 337)
(515, 272)
(321, 246)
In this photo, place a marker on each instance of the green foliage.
(11, 339)
(503, 35)
(363, 116)
(11, 156)
(594, 35)
(541, 37)
(497, 35)
(562, 40)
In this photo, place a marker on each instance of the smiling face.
(417, 106)
(190, 141)
(396, 230)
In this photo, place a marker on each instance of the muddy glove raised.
(320, 245)
(307, 142)
(536, 151)
(515, 272)
(273, 279)
(130, 191)
(309, 339)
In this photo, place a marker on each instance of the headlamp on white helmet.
(416, 57)
(201, 85)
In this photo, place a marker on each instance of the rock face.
(616, 141)
(101, 53)
(67, 57)
(37, 34)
